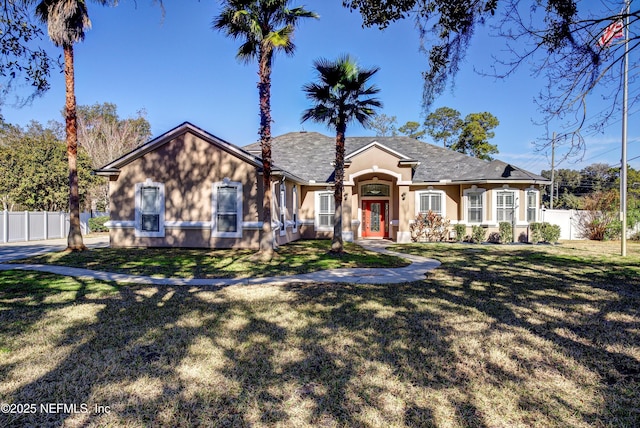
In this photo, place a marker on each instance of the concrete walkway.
(21, 250)
(414, 272)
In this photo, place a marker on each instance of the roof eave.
(288, 175)
(106, 172)
(487, 181)
(174, 133)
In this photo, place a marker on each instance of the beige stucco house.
(188, 188)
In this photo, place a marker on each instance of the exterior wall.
(491, 223)
(377, 161)
(307, 213)
(185, 238)
(188, 167)
(410, 208)
(402, 204)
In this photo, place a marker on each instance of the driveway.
(21, 250)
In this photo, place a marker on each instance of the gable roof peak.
(113, 167)
(375, 143)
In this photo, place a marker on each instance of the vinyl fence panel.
(4, 226)
(23, 226)
(37, 225)
(54, 226)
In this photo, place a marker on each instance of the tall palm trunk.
(74, 240)
(264, 90)
(337, 245)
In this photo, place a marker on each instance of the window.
(283, 208)
(505, 206)
(295, 208)
(532, 205)
(375, 190)
(325, 209)
(149, 209)
(227, 209)
(430, 201)
(474, 208)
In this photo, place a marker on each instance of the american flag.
(613, 31)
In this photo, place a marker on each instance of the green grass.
(498, 336)
(293, 258)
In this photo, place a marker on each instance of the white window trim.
(465, 211)
(536, 206)
(282, 219)
(516, 200)
(214, 208)
(295, 218)
(443, 200)
(317, 212)
(139, 233)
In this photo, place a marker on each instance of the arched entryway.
(375, 200)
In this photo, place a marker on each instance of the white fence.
(24, 226)
(568, 222)
(566, 219)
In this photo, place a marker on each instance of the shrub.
(506, 232)
(598, 220)
(544, 232)
(478, 233)
(461, 230)
(550, 232)
(494, 238)
(429, 227)
(535, 229)
(613, 230)
(96, 224)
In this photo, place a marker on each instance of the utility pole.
(623, 166)
(553, 166)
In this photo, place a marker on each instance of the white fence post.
(46, 225)
(5, 226)
(26, 225)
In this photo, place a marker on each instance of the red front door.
(374, 221)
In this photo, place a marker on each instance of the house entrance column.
(405, 214)
(348, 232)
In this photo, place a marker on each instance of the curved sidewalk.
(414, 272)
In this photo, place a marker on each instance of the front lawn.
(498, 336)
(293, 258)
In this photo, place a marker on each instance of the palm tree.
(264, 27)
(66, 22)
(342, 95)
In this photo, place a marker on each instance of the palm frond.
(293, 15)
(66, 20)
(341, 94)
(279, 39)
(260, 23)
(248, 51)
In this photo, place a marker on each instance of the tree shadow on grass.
(469, 346)
(588, 311)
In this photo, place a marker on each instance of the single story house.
(189, 188)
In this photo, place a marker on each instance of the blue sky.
(178, 69)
